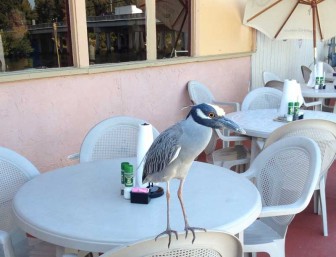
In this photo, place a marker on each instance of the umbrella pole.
(313, 5)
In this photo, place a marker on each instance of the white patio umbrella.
(172, 13)
(292, 19)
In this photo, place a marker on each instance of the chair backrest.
(267, 76)
(115, 137)
(199, 93)
(275, 84)
(286, 174)
(328, 68)
(305, 73)
(262, 98)
(323, 132)
(206, 244)
(15, 170)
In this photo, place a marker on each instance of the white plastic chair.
(114, 137)
(285, 173)
(15, 171)
(199, 93)
(262, 98)
(275, 84)
(206, 244)
(328, 68)
(270, 98)
(227, 156)
(305, 73)
(268, 76)
(323, 132)
(326, 103)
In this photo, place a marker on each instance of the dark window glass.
(117, 29)
(34, 34)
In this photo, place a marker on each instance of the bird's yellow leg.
(168, 230)
(187, 227)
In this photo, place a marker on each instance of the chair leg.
(323, 206)
(316, 200)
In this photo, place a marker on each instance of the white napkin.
(317, 72)
(291, 93)
(145, 140)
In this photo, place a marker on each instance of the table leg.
(59, 251)
(255, 148)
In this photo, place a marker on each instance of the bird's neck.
(199, 135)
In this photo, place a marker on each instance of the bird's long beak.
(231, 125)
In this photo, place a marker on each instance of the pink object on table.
(140, 190)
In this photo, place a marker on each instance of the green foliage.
(97, 7)
(45, 10)
(18, 47)
(48, 11)
(28, 11)
(13, 24)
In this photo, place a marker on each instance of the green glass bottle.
(122, 171)
(128, 180)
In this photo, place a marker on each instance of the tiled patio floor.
(305, 235)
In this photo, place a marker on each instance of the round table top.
(261, 123)
(80, 206)
(328, 92)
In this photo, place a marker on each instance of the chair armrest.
(249, 173)
(74, 156)
(236, 105)
(310, 104)
(231, 138)
(6, 244)
(281, 210)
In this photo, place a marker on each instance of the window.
(117, 29)
(34, 34)
(172, 28)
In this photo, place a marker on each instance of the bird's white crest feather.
(220, 112)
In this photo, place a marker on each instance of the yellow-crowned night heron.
(173, 151)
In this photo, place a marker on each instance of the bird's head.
(212, 116)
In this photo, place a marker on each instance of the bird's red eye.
(211, 115)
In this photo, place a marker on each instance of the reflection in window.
(34, 34)
(117, 29)
(172, 28)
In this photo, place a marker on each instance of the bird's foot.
(192, 229)
(169, 232)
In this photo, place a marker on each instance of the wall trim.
(95, 69)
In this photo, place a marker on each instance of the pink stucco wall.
(46, 120)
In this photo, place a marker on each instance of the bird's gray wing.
(163, 150)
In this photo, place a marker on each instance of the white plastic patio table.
(260, 123)
(328, 92)
(80, 206)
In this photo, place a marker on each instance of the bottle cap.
(128, 168)
(123, 164)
